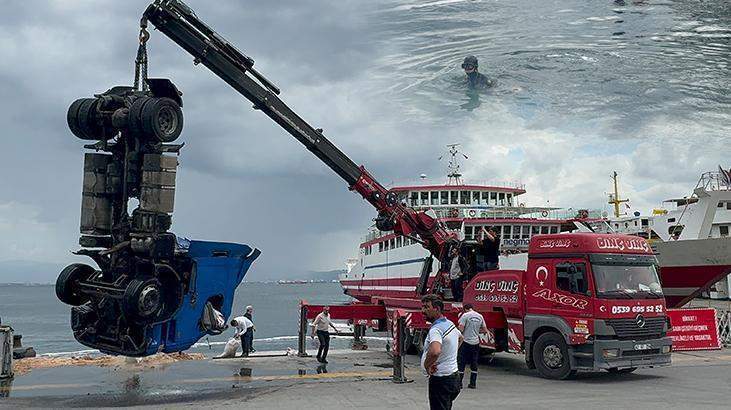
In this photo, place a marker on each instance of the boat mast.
(614, 198)
(454, 177)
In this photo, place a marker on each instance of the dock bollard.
(399, 349)
(302, 337)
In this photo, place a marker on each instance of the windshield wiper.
(618, 292)
(657, 295)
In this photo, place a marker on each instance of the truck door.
(572, 290)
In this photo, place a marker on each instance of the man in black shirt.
(490, 247)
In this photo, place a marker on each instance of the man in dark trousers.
(321, 326)
(249, 335)
(457, 272)
(490, 248)
(471, 324)
(439, 357)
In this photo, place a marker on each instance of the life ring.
(473, 213)
(544, 214)
(454, 213)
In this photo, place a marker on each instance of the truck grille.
(629, 329)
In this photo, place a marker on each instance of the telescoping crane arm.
(177, 21)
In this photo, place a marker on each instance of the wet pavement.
(362, 379)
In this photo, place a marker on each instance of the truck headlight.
(610, 353)
(666, 349)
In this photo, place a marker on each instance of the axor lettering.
(550, 296)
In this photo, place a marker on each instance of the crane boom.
(177, 21)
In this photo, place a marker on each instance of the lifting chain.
(141, 60)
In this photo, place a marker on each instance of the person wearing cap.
(249, 335)
(475, 79)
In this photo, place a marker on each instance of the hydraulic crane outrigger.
(177, 21)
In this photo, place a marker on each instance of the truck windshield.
(627, 281)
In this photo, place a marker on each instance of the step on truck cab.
(584, 302)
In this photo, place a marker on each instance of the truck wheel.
(626, 370)
(143, 300)
(81, 119)
(67, 283)
(551, 356)
(162, 119)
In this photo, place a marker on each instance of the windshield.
(627, 281)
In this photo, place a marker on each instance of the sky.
(243, 179)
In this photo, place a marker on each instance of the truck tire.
(134, 119)
(551, 356)
(81, 119)
(67, 283)
(143, 300)
(626, 370)
(162, 119)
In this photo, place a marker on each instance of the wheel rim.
(149, 300)
(167, 121)
(552, 356)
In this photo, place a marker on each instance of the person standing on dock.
(242, 324)
(321, 326)
(471, 324)
(249, 335)
(439, 358)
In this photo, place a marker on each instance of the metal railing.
(724, 327)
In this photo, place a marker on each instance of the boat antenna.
(614, 198)
(454, 177)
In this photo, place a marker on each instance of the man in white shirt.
(242, 324)
(471, 324)
(321, 325)
(439, 358)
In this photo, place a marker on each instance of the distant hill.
(19, 271)
(322, 275)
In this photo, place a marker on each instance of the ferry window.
(670, 220)
(571, 277)
(535, 230)
(434, 197)
(509, 199)
(501, 198)
(720, 204)
(516, 232)
(544, 230)
(728, 205)
(485, 198)
(464, 198)
(425, 198)
(645, 222)
(454, 197)
(414, 198)
(506, 232)
(675, 230)
(391, 243)
(493, 198)
(476, 197)
(635, 223)
(526, 232)
(444, 197)
(380, 246)
(554, 229)
(616, 226)
(723, 230)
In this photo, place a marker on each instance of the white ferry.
(390, 265)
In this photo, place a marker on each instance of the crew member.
(457, 270)
(321, 326)
(471, 324)
(250, 332)
(439, 358)
(490, 247)
(475, 79)
(242, 324)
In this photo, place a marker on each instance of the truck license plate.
(644, 346)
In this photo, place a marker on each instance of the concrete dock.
(362, 379)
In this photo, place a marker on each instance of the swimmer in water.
(475, 79)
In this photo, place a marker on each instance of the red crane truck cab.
(585, 302)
